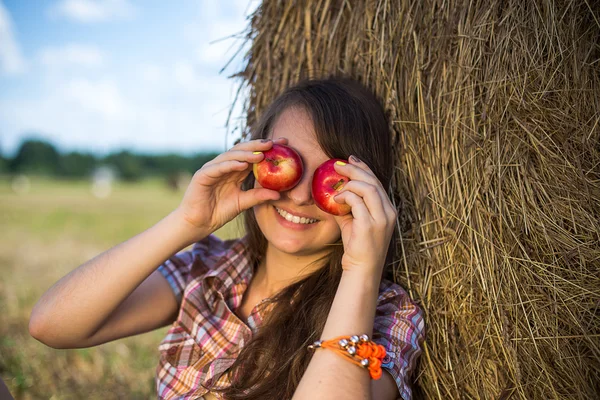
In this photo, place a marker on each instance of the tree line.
(39, 157)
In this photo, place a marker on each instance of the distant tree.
(164, 164)
(198, 160)
(3, 162)
(39, 157)
(77, 165)
(128, 165)
(36, 157)
(173, 164)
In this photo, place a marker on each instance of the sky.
(107, 75)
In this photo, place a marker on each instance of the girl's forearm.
(79, 303)
(329, 375)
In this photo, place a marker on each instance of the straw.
(495, 108)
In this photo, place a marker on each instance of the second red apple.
(326, 184)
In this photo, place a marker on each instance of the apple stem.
(274, 161)
(339, 184)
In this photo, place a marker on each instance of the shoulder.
(225, 259)
(212, 250)
(209, 255)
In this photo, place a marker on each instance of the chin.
(294, 247)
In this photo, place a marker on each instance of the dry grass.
(495, 106)
(46, 233)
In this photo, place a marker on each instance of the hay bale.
(495, 107)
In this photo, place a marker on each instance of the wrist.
(363, 278)
(182, 229)
(354, 306)
(365, 268)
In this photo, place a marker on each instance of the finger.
(259, 144)
(253, 197)
(251, 157)
(356, 203)
(343, 221)
(254, 145)
(371, 196)
(218, 171)
(358, 172)
(353, 160)
(280, 140)
(370, 177)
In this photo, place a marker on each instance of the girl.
(245, 311)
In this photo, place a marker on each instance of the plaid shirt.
(209, 281)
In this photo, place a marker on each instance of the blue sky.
(104, 75)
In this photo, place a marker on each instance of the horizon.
(103, 76)
(102, 154)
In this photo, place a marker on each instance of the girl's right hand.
(214, 195)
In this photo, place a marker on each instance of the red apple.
(326, 184)
(280, 170)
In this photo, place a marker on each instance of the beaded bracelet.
(358, 350)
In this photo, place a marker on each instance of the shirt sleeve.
(399, 327)
(186, 265)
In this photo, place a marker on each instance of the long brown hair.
(348, 120)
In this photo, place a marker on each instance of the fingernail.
(265, 140)
(340, 163)
(355, 159)
(257, 152)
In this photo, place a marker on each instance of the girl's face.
(301, 239)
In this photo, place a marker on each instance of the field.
(47, 231)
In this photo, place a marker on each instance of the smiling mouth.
(294, 218)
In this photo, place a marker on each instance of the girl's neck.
(278, 270)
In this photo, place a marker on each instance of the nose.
(301, 194)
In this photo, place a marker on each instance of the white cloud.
(216, 53)
(185, 75)
(11, 59)
(71, 54)
(101, 97)
(155, 103)
(93, 10)
(216, 42)
(106, 114)
(150, 73)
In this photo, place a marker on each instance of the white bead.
(315, 345)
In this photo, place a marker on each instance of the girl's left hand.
(367, 230)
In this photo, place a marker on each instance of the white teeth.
(294, 218)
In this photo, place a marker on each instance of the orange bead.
(375, 374)
(376, 352)
(374, 363)
(364, 351)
